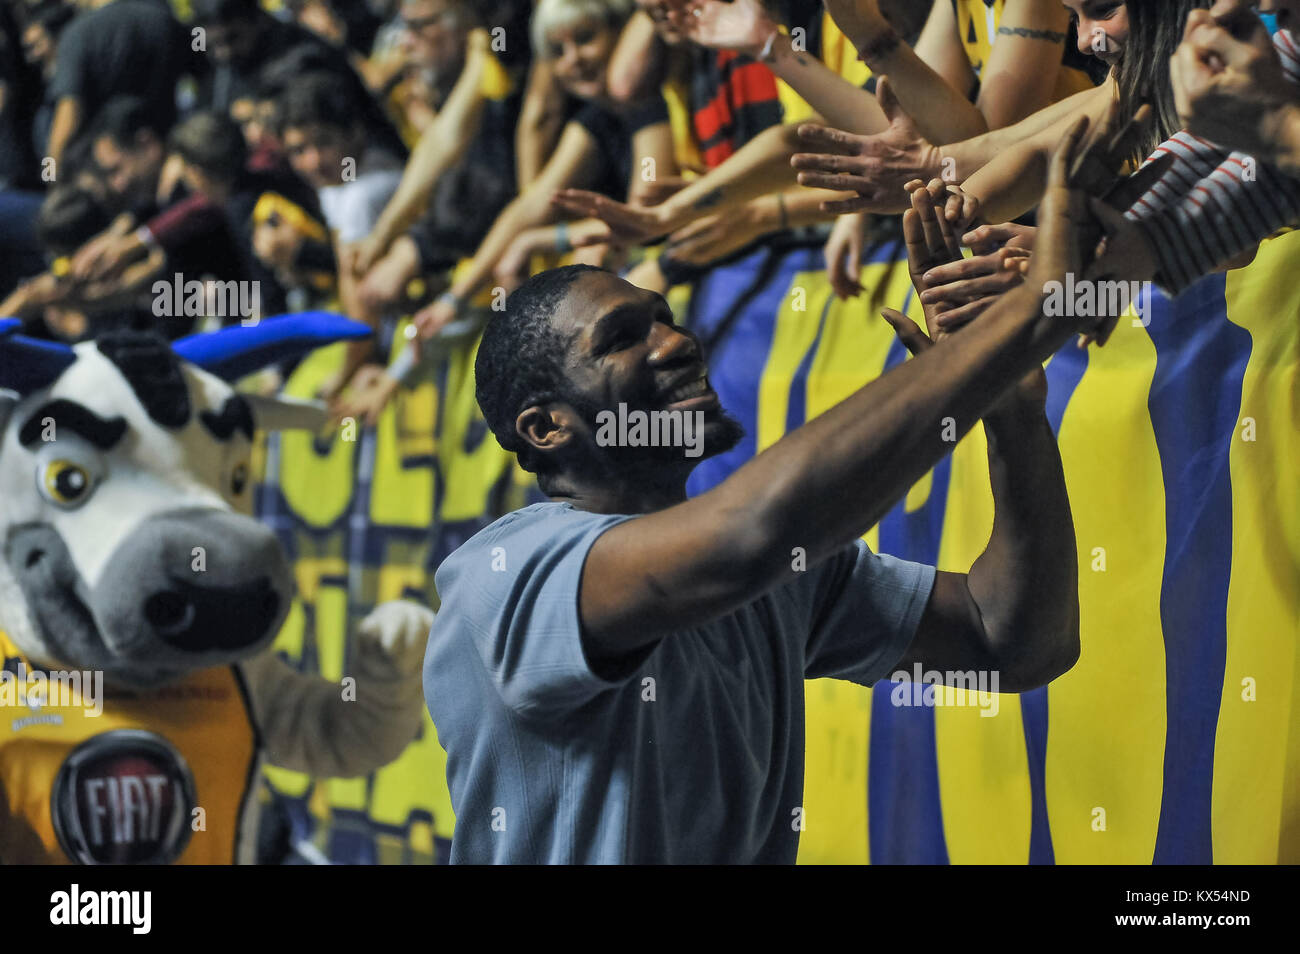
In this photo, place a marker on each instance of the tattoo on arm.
(708, 200)
(1051, 36)
(881, 47)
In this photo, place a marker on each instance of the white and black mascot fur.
(129, 559)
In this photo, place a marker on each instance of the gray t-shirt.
(696, 756)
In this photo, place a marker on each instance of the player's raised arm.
(825, 484)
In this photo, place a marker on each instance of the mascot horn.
(139, 598)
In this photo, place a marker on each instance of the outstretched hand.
(628, 224)
(741, 25)
(875, 167)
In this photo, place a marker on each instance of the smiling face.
(623, 347)
(1102, 26)
(579, 54)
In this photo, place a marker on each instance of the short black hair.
(287, 68)
(320, 98)
(213, 142)
(122, 118)
(51, 15)
(224, 11)
(520, 360)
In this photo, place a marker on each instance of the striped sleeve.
(1212, 205)
(1285, 43)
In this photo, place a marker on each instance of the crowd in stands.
(393, 159)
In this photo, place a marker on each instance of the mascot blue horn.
(139, 599)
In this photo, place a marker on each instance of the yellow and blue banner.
(1176, 738)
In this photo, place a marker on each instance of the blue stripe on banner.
(736, 366)
(796, 412)
(903, 806)
(1064, 373)
(1194, 403)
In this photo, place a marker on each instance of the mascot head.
(126, 543)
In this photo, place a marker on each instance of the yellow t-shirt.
(157, 776)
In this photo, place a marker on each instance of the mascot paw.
(396, 633)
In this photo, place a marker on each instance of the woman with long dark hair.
(1136, 39)
(1141, 72)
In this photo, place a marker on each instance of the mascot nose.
(212, 617)
(199, 581)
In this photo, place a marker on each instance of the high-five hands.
(932, 245)
(1076, 228)
(960, 289)
(963, 289)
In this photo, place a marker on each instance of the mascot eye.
(239, 479)
(66, 483)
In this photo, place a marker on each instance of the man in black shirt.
(124, 47)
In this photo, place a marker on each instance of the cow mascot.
(139, 598)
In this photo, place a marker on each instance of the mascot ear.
(8, 401)
(234, 352)
(284, 414)
(26, 364)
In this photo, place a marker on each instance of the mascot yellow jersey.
(158, 776)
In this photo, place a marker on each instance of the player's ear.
(548, 427)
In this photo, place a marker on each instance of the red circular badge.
(123, 797)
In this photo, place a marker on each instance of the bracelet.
(451, 298)
(562, 243)
(146, 237)
(402, 365)
(879, 47)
